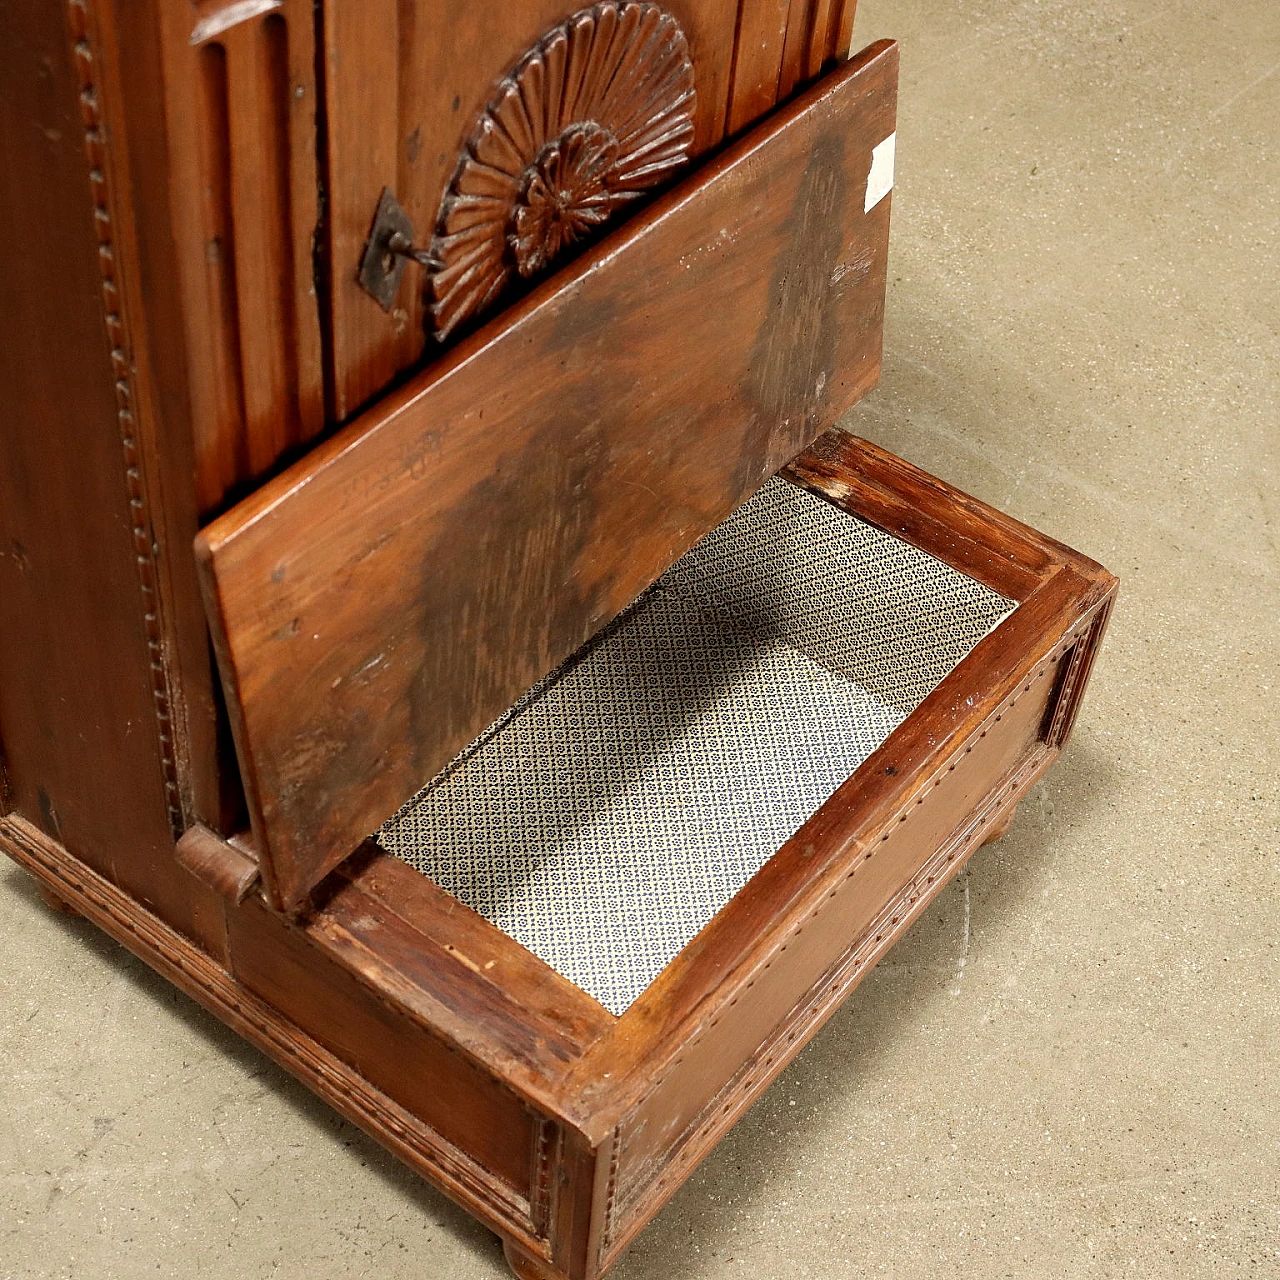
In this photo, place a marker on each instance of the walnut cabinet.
(443, 628)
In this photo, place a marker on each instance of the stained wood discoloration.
(795, 351)
(525, 523)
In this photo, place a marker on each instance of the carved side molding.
(103, 182)
(598, 112)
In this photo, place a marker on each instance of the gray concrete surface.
(1068, 1069)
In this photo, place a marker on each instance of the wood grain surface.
(241, 104)
(97, 677)
(381, 602)
(392, 592)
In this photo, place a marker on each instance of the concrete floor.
(1068, 1069)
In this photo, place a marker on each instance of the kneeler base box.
(446, 632)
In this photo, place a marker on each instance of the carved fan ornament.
(600, 111)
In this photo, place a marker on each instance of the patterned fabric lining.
(623, 801)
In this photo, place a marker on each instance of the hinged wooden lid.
(380, 603)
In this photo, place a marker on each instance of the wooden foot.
(525, 1267)
(55, 901)
(1002, 826)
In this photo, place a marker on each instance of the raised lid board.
(381, 602)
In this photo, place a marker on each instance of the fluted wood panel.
(242, 107)
(781, 45)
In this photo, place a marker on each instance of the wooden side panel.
(469, 1108)
(242, 103)
(406, 81)
(382, 602)
(91, 717)
(503, 1201)
(883, 882)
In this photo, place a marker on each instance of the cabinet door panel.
(280, 148)
(406, 84)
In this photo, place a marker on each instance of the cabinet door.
(410, 87)
(286, 119)
(462, 110)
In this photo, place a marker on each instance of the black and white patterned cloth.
(621, 803)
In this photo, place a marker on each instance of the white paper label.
(880, 179)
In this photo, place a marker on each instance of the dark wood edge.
(385, 412)
(625, 1219)
(954, 527)
(210, 593)
(1076, 679)
(211, 986)
(6, 791)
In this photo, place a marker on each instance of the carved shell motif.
(597, 113)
